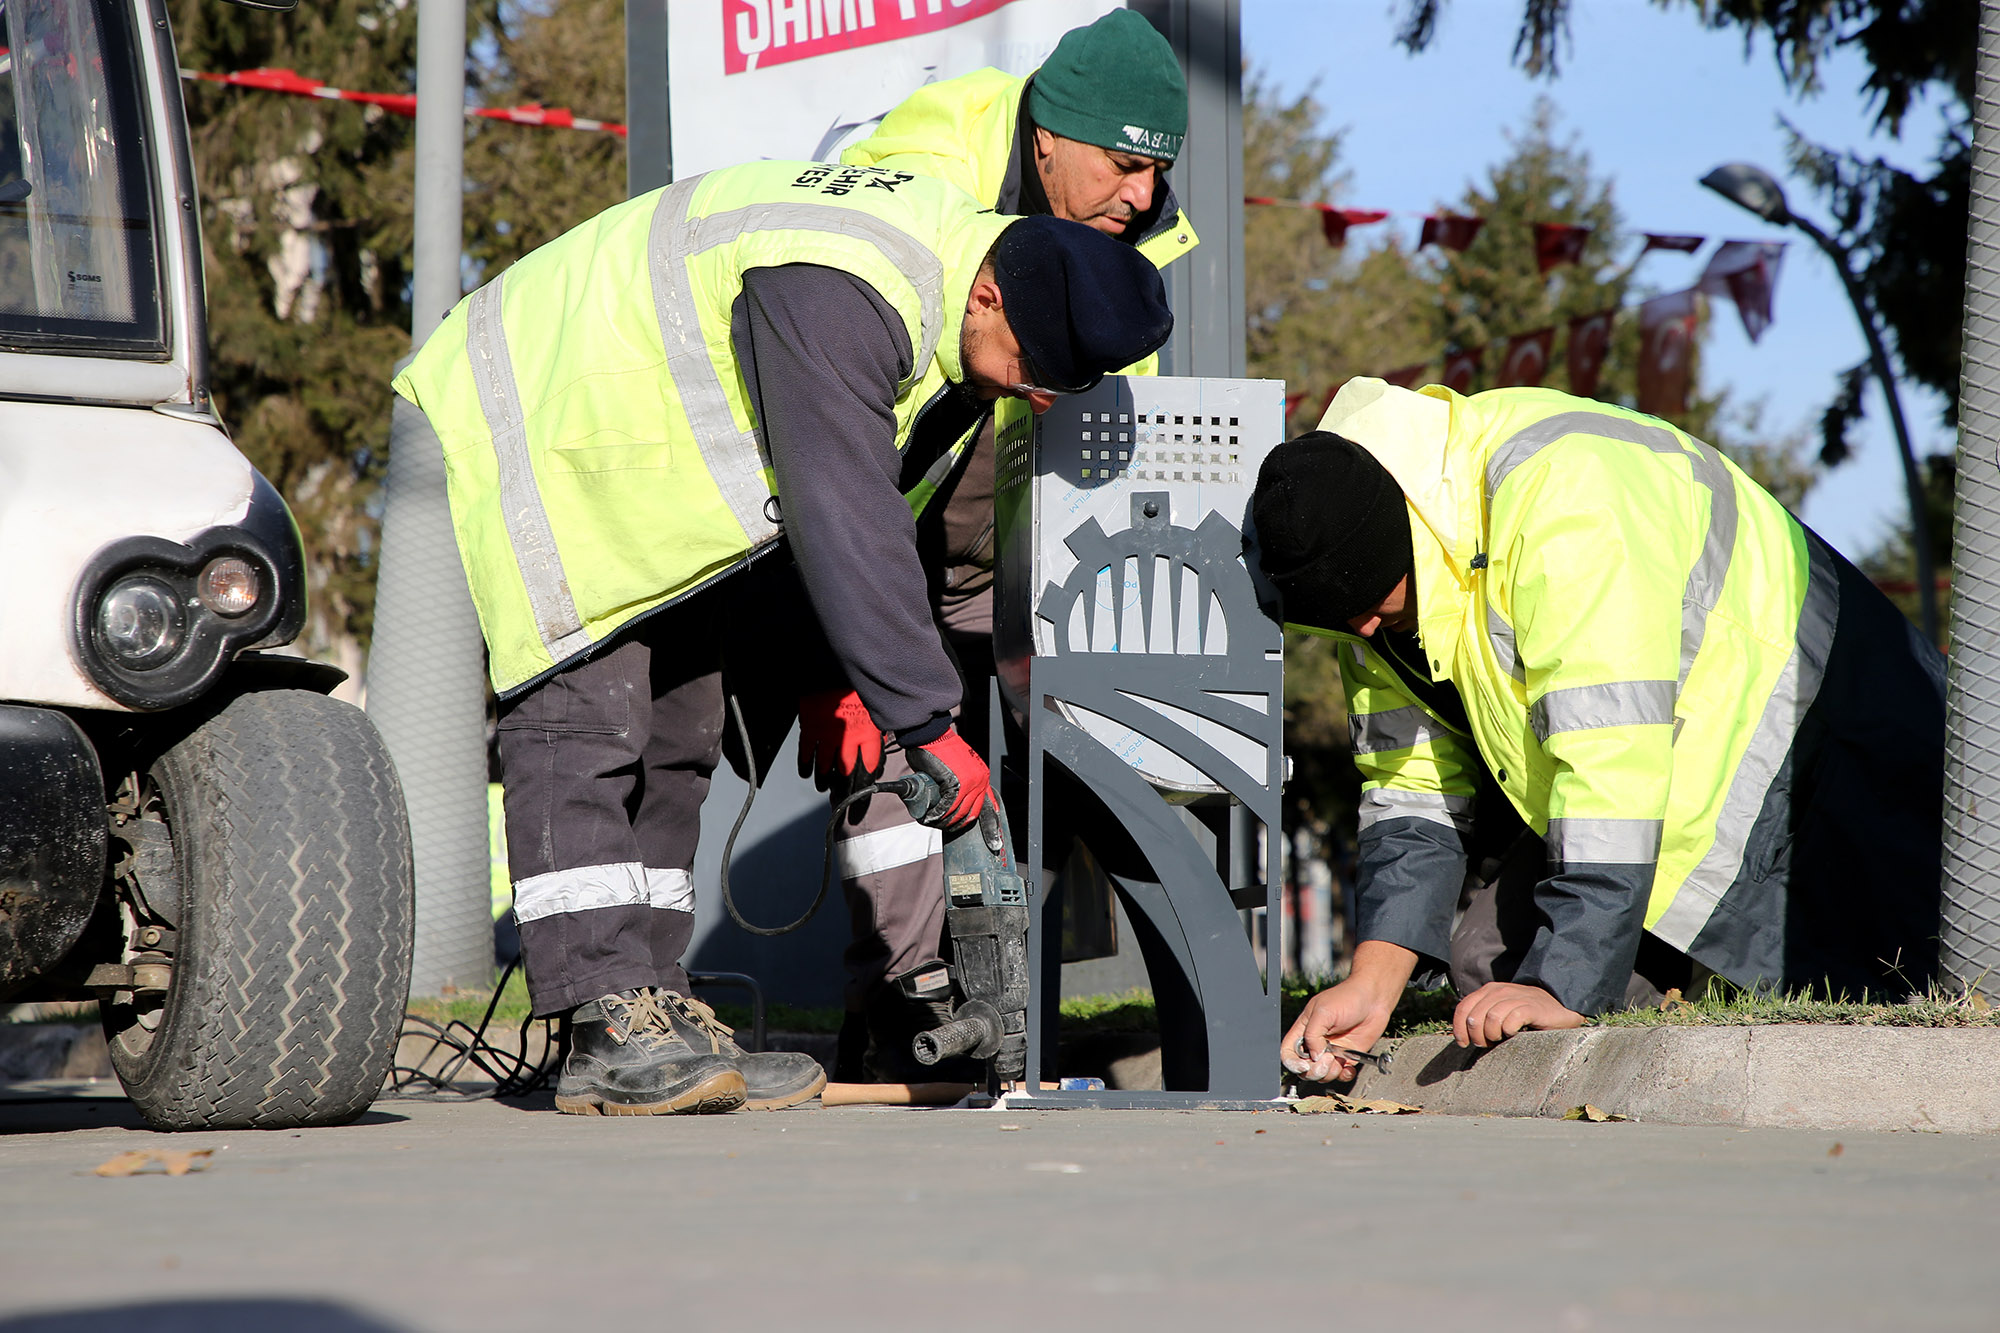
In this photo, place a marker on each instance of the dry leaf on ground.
(170, 1163)
(1596, 1115)
(1352, 1106)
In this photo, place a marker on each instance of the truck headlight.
(141, 622)
(229, 586)
(155, 623)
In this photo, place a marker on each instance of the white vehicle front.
(151, 549)
(191, 832)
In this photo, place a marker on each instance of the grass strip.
(1421, 1011)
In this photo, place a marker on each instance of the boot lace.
(641, 1018)
(704, 1018)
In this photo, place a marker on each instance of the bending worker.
(753, 365)
(1727, 744)
(1087, 137)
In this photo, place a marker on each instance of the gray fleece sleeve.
(822, 354)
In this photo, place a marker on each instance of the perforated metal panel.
(1086, 568)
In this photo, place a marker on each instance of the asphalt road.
(485, 1216)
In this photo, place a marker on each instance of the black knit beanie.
(1333, 530)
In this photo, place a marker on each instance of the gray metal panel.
(649, 144)
(1134, 649)
(1078, 475)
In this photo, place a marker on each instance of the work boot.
(772, 1080)
(626, 1058)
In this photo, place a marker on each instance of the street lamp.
(1755, 189)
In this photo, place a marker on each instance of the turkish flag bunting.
(1666, 338)
(1451, 230)
(1334, 222)
(1409, 377)
(1558, 243)
(1292, 401)
(1589, 340)
(1747, 273)
(1461, 367)
(1527, 360)
(1659, 240)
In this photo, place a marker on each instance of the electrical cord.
(512, 1072)
(902, 788)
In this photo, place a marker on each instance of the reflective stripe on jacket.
(1635, 629)
(601, 452)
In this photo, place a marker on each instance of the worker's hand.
(965, 788)
(1347, 1016)
(1350, 1016)
(1499, 1009)
(838, 739)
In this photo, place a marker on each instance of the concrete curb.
(1797, 1076)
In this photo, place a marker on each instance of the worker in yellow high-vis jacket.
(1087, 137)
(684, 444)
(1726, 744)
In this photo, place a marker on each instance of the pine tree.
(307, 218)
(1494, 289)
(527, 186)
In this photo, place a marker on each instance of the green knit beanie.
(1115, 84)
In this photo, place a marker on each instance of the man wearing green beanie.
(1088, 138)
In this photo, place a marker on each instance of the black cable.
(513, 1074)
(895, 788)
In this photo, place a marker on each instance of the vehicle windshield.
(79, 267)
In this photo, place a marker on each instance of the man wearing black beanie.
(1726, 744)
(686, 440)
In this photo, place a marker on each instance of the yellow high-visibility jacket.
(963, 130)
(601, 451)
(1638, 633)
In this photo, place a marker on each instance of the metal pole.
(1913, 482)
(1969, 953)
(649, 142)
(1206, 288)
(426, 687)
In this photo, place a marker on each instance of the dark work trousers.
(891, 867)
(606, 765)
(1499, 921)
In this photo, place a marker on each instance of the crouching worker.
(757, 364)
(1727, 744)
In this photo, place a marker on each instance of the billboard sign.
(750, 79)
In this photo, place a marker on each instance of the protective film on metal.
(1134, 651)
(1969, 952)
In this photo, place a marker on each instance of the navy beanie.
(1333, 529)
(1080, 303)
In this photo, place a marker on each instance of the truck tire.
(292, 964)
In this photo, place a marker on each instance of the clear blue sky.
(1656, 100)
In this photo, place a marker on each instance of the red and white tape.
(402, 104)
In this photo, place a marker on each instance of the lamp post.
(1755, 189)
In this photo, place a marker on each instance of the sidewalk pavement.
(1798, 1076)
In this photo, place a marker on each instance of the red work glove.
(837, 738)
(965, 787)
